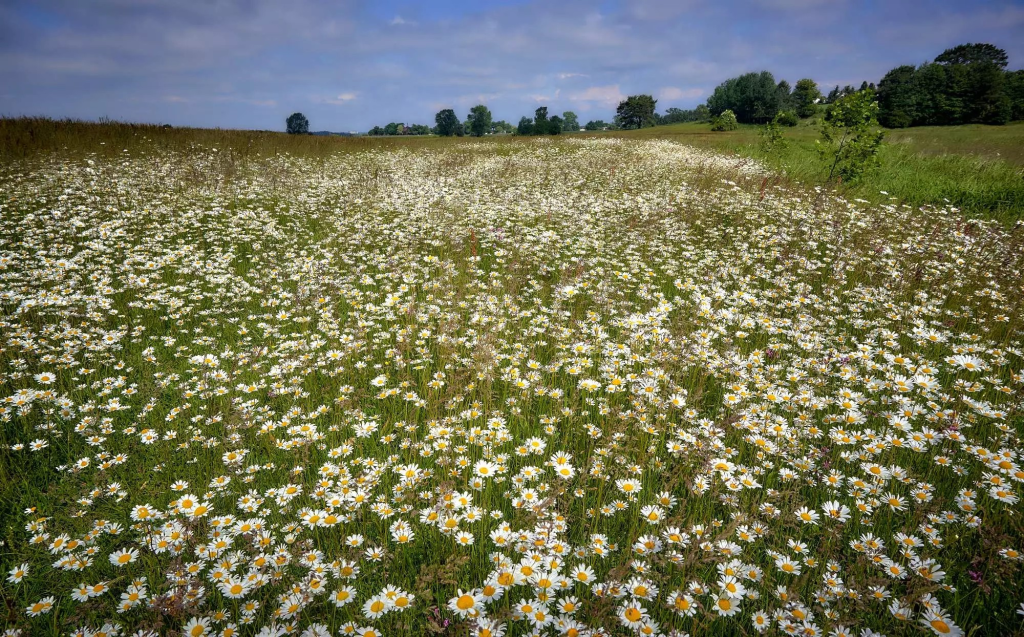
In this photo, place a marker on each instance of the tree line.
(965, 84)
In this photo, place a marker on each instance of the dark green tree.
(555, 125)
(569, 122)
(636, 111)
(297, 124)
(805, 97)
(974, 54)
(1015, 93)
(525, 126)
(447, 123)
(596, 124)
(785, 92)
(753, 97)
(479, 120)
(540, 121)
(897, 98)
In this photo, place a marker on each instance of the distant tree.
(974, 54)
(702, 113)
(753, 98)
(375, 131)
(636, 111)
(555, 125)
(540, 121)
(479, 120)
(1015, 93)
(965, 84)
(785, 95)
(447, 123)
(897, 98)
(850, 140)
(569, 122)
(393, 128)
(297, 124)
(805, 97)
(596, 124)
(525, 126)
(725, 121)
(419, 129)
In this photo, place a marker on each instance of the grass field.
(597, 385)
(978, 169)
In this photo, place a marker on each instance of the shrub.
(725, 122)
(787, 118)
(850, 139)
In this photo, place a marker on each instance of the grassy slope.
(979, 169)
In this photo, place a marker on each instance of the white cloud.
(604, 95)
(675, 93)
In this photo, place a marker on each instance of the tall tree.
(540, 121)
(479, 120)
(753, 97)
(569, 122)
(297, 124)
(973, 54)
(447, 123)
(805, 97)
(525, 126)
(1015, 91)
(897, 99)
(785, 95)
(636, 111)
(555, 125)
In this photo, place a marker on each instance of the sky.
(350, 65)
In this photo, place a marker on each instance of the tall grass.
(979, 169)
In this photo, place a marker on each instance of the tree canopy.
(753, 97)
(297, 124)
(636, 111)
(964, 85)
(447, 123)
(479, 120)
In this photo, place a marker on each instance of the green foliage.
(678, 115)
(725, 121)
(805, 97)
(1015, 93)
(850, 141)
(501, 127)
(540, 121)
(974, 54)
(772, 141)
(753, 97)
(596, 124)
(570, 123)
(786, 118)
(525, 126)
(297, 124)
(555, 125)
(448, 124)
(479, 120)
(965, 84)
(636, 111)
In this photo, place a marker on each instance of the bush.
(787, 118)
(850, 140)
(725, 122)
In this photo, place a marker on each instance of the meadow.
(599, 385)
(979, 170)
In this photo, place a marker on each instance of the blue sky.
(351, 65)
